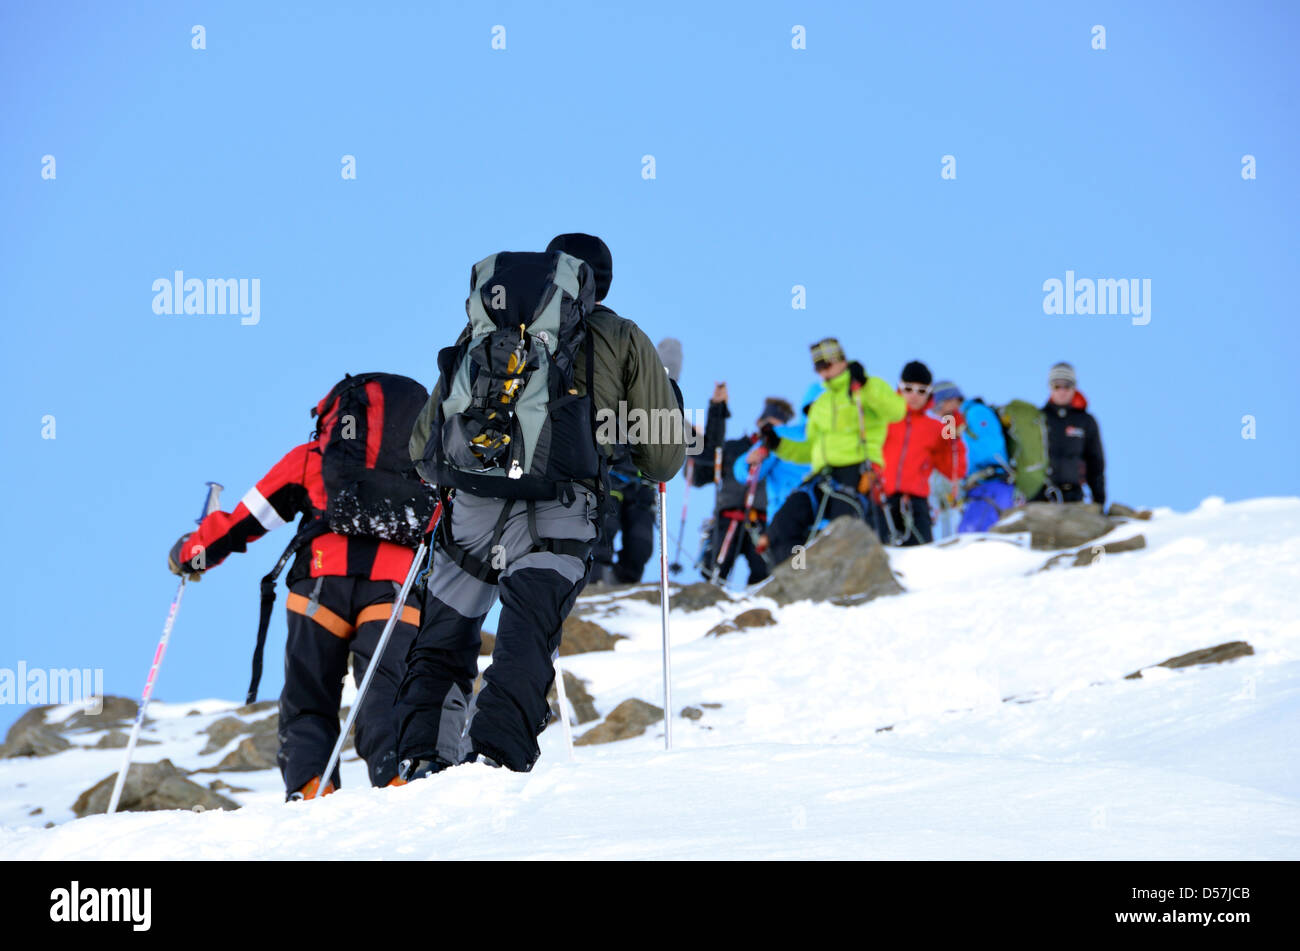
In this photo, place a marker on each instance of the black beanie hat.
(917, 372)
(592, 250)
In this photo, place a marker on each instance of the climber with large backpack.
(364, 511)
(514, 436)
(1006, 454)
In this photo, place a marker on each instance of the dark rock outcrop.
(116, 712)
(1120, 510)
(220, 732)
(1089, 554)
(845, 564)
(117, 739)
(754, 617)
(32, 736)
(583, 704)
(150, 787)
(1218, 654)
(581, 636)
(630, 718)
(253, 752)
(1052, 526)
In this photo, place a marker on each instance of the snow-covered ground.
(1081, 763)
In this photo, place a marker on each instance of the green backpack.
(1026, 436)
(506, 419)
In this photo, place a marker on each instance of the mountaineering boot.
(308, 790)
(412, 769)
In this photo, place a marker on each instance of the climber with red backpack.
(363, 511)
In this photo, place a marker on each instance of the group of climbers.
(504, 469)
(866, 449)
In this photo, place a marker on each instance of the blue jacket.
(781, 475)
(985, 445)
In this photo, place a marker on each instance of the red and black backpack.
(363, 431)
(363, 428)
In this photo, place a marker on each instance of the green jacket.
(845, 428)
(628, 371)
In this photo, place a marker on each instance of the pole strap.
(313, 529)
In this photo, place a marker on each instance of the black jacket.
(731, 493)
(1074, 451)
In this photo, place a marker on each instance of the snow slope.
(1190, 763)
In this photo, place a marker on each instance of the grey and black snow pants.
(535, 555)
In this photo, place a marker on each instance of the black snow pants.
(329, 618)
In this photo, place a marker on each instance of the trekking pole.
(676, 565)
(210, 504)
(663, 601)
(563, 698)
(375, 657)
(751, 488)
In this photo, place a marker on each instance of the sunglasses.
(821, 366)
(914, 388)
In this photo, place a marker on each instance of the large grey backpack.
(509, 421)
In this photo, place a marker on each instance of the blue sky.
(774, 167)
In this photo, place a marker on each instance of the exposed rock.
(1119, 510)
(711, 706)
(217, 785)
(580, 637)
(1052, 526)
(583, 704)
(691, 597)
(272, 723)
(148, 787)
(117, 739)
(601, 598)
(1206, 655)
(117, 711)
(630, 718)
(692, 713)
(845, 563)
(754, 617)
(696, 597)
(258, 707)
(220, 732)
(1089, 554)
(37, 811)
(253, 752)
(486, 644)
(32, 736)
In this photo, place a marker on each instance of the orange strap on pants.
(341, 627)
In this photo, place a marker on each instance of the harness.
(830, 489)
(487, 571)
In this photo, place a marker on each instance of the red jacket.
(292, 487)
(914, 447)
